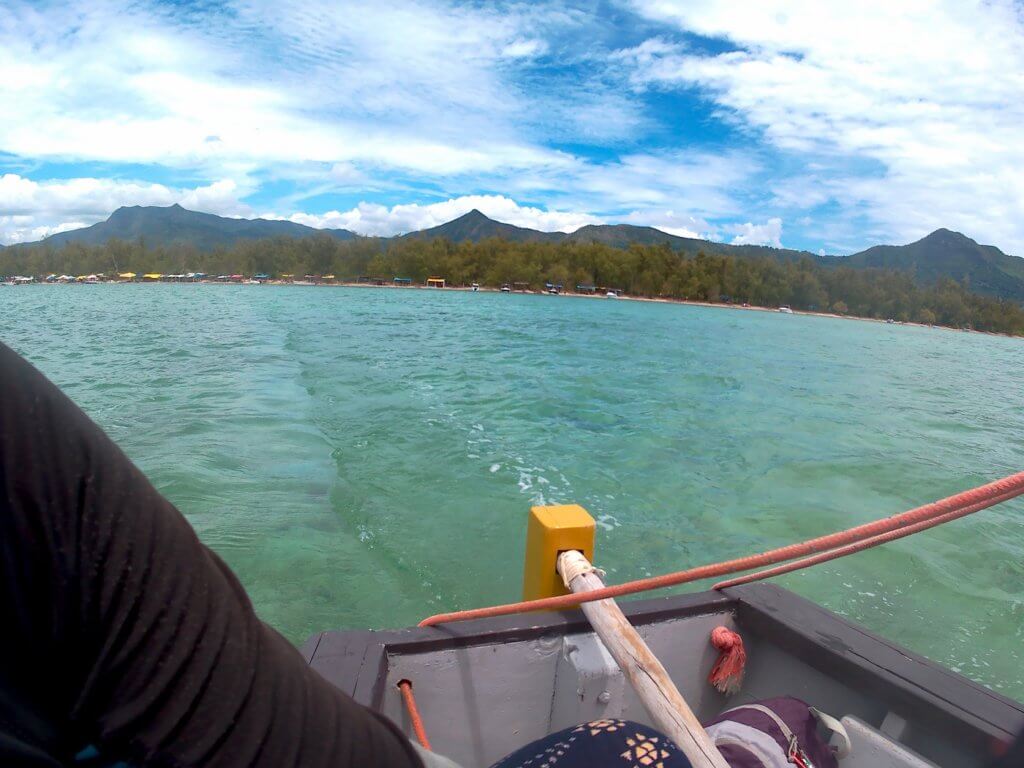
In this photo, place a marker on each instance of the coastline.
(568, 294)
(651, 300)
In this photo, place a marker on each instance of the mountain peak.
(148, 210)
(170, 224)
(947, 235)
(946, 254)
(475, 226)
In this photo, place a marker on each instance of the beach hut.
(261, 277)
(403, 281)
(435, 282)
(127, 276)
(288, 277)
(524, 287)
(329, 278)
(586, 288)
(152, 276)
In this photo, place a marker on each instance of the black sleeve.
(119, 629)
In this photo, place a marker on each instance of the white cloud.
(30, 210)
(900, 116)
(682, 225)
(769, 233)
(413, 86)
(220, 197)
(521, 49)
(700, 183)
(17, 229)
(925, 95)
(354, 98)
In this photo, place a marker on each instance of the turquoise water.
(366, 457)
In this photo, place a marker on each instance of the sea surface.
(367, 457)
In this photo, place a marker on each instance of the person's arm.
(119, 629)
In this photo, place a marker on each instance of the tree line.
(640, 270)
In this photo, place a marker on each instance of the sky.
(828, 126)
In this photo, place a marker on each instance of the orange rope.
(850, 549)
(973, 500)
(405, 686)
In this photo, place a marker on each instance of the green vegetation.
(640, 270)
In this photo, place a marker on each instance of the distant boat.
(506, 288)
(475, 286)
(611, 295)
(785, 309)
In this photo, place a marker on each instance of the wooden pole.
(659, 695)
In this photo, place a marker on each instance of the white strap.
(771, 713)
(572, 564)
(837, 728)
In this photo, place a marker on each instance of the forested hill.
(475, 226)
(945, 254)
(174, 225)
(163, 226)
(639, 270)
(941, 255)
(624, 235)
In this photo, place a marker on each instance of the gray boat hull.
(487, 687)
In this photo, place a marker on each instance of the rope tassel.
(727, 674)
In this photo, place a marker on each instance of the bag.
(777, 733)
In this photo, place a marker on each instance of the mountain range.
(942, 254)
(174, 225)
(475, 226)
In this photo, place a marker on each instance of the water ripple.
(344, 449)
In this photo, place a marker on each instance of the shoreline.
(648, 299)
(568, 294)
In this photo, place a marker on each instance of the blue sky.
(821, 125)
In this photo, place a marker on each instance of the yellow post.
(551, 531)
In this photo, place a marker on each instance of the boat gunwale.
(890, 671)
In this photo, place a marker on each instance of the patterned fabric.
(600, 744)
